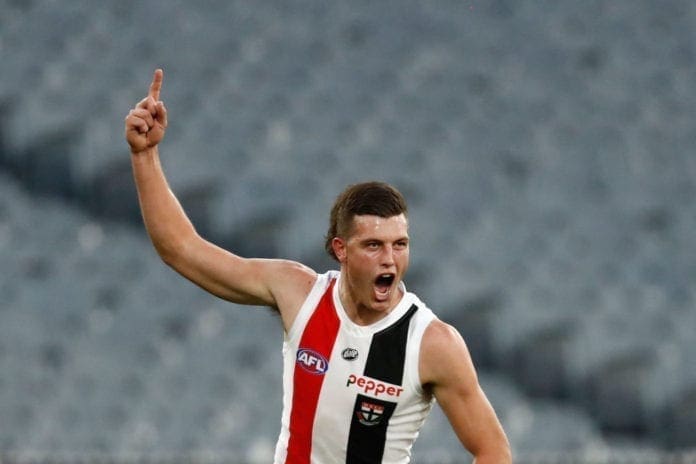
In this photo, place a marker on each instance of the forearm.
(501, 456)
(165, 220)
(491, 445)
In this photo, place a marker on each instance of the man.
(363, 358)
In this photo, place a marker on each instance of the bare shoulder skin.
(447, 371)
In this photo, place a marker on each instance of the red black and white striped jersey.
(352, 394)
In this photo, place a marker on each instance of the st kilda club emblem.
(369, 413)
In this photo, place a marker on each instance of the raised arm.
(448, 372)
(276, 283)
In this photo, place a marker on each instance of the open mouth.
(383, 285)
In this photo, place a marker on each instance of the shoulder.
(444, 356)
(293, 278)
(283, 276)
(296, 272)
(291, 284)
(441, 339)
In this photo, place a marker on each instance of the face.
(374, 258)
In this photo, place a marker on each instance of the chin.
(383, 306)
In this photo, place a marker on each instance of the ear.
(339, 248)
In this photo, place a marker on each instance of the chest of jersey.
(353, 399)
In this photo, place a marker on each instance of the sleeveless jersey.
(351, 393)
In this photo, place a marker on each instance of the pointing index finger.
(156, 84)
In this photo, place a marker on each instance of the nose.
(387, 256)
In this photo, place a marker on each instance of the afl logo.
(349, 354)
(312, 362)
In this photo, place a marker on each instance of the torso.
(351, 393)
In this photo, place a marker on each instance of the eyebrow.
(400, 239)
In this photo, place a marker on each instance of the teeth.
(385, 279)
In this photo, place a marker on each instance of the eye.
(401, 244)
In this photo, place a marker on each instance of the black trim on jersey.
(368, 430)
(385, 362)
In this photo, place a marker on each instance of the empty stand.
(545, 149)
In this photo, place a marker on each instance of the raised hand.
(147, 122)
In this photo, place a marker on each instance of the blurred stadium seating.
(545, 148)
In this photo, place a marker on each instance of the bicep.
(233, 278)
(472, 417)
(451, 376)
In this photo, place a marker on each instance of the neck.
(360, 313)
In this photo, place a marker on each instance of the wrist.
(145, 152)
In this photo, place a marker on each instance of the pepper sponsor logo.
(373, 387)
(312, 362)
